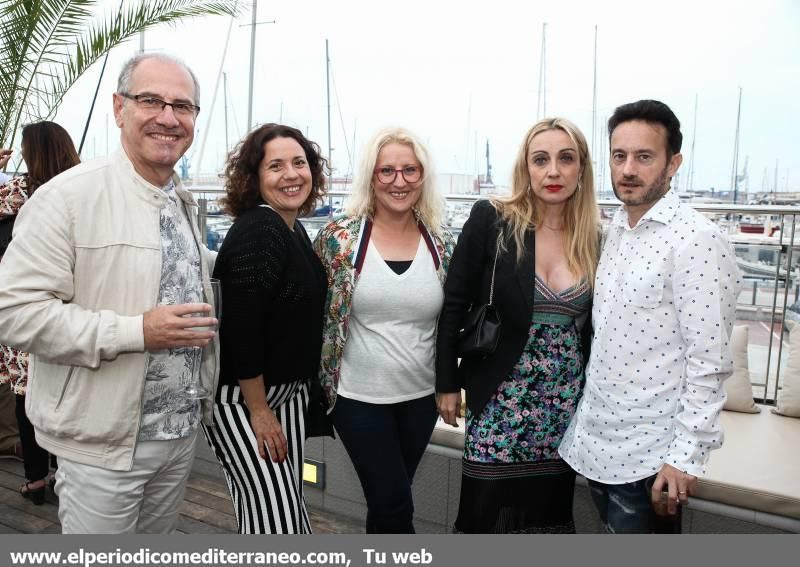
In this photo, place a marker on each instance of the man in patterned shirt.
(664, 307)
(105, 266)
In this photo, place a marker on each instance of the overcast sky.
(457, 71)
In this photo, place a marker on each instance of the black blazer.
(468, 282)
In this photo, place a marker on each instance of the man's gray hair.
(126, 74)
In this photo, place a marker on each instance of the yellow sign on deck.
(314, 473)
(310, 473)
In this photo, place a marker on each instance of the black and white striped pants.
(267, 496)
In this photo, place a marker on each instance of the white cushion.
(758, 465)
(738, 388)
(789, 394)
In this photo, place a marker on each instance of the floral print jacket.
(13, 195)
(13, 363)
(341, 246)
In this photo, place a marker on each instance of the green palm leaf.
(48, 45)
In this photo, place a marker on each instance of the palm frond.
(57, 41)
(98, 40)
(40, 29)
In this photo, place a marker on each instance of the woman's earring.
(580, 185)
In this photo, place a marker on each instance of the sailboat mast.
(252, 65)
(352, 165)
(207, 130)
(467, 132)
(594, 99)
(97, 89)
(541, 102)
(734, 176)
(488, 165)
(775, 186)
(602, 161)
(328, 87)
(690, 173)
(225, 104)
(475, 159)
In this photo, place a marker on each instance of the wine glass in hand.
(212, 292)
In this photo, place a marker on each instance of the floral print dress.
(511, 448)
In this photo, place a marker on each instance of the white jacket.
(82, 268)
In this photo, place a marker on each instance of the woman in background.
(47, 150)
(273, 293)
(386, 260)
(521, 397)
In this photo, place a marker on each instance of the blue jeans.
(626, 509)
(386, 443)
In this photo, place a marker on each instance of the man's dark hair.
(653, 112)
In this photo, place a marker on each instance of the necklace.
(553, 229)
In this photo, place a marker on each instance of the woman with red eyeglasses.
(386, 261)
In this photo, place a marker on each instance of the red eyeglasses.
(386, 174)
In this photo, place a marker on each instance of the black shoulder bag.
(318, 422)
(482, 325)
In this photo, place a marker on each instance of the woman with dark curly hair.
(273, 293)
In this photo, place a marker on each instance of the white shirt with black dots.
(664, 308)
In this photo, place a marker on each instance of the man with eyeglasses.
(105, 268)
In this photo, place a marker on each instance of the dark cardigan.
(273, 297)
(468, 282)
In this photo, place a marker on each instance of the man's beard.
(657, 189)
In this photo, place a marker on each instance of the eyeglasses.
(153, 104)
(386, 174)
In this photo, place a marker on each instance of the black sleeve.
(462, 288)
(251, 268)
(587, 334)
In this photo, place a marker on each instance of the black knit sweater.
(273, 296)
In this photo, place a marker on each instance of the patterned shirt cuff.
(687, 457)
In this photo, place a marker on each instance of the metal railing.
(769, 264)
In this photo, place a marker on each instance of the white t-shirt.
(390, 349)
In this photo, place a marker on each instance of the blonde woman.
(386, 261)
(521, 397)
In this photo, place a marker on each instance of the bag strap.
(494, 267)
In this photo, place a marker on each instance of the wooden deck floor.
(207, 508)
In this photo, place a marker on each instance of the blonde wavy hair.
(430, 207)
(581, 214)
